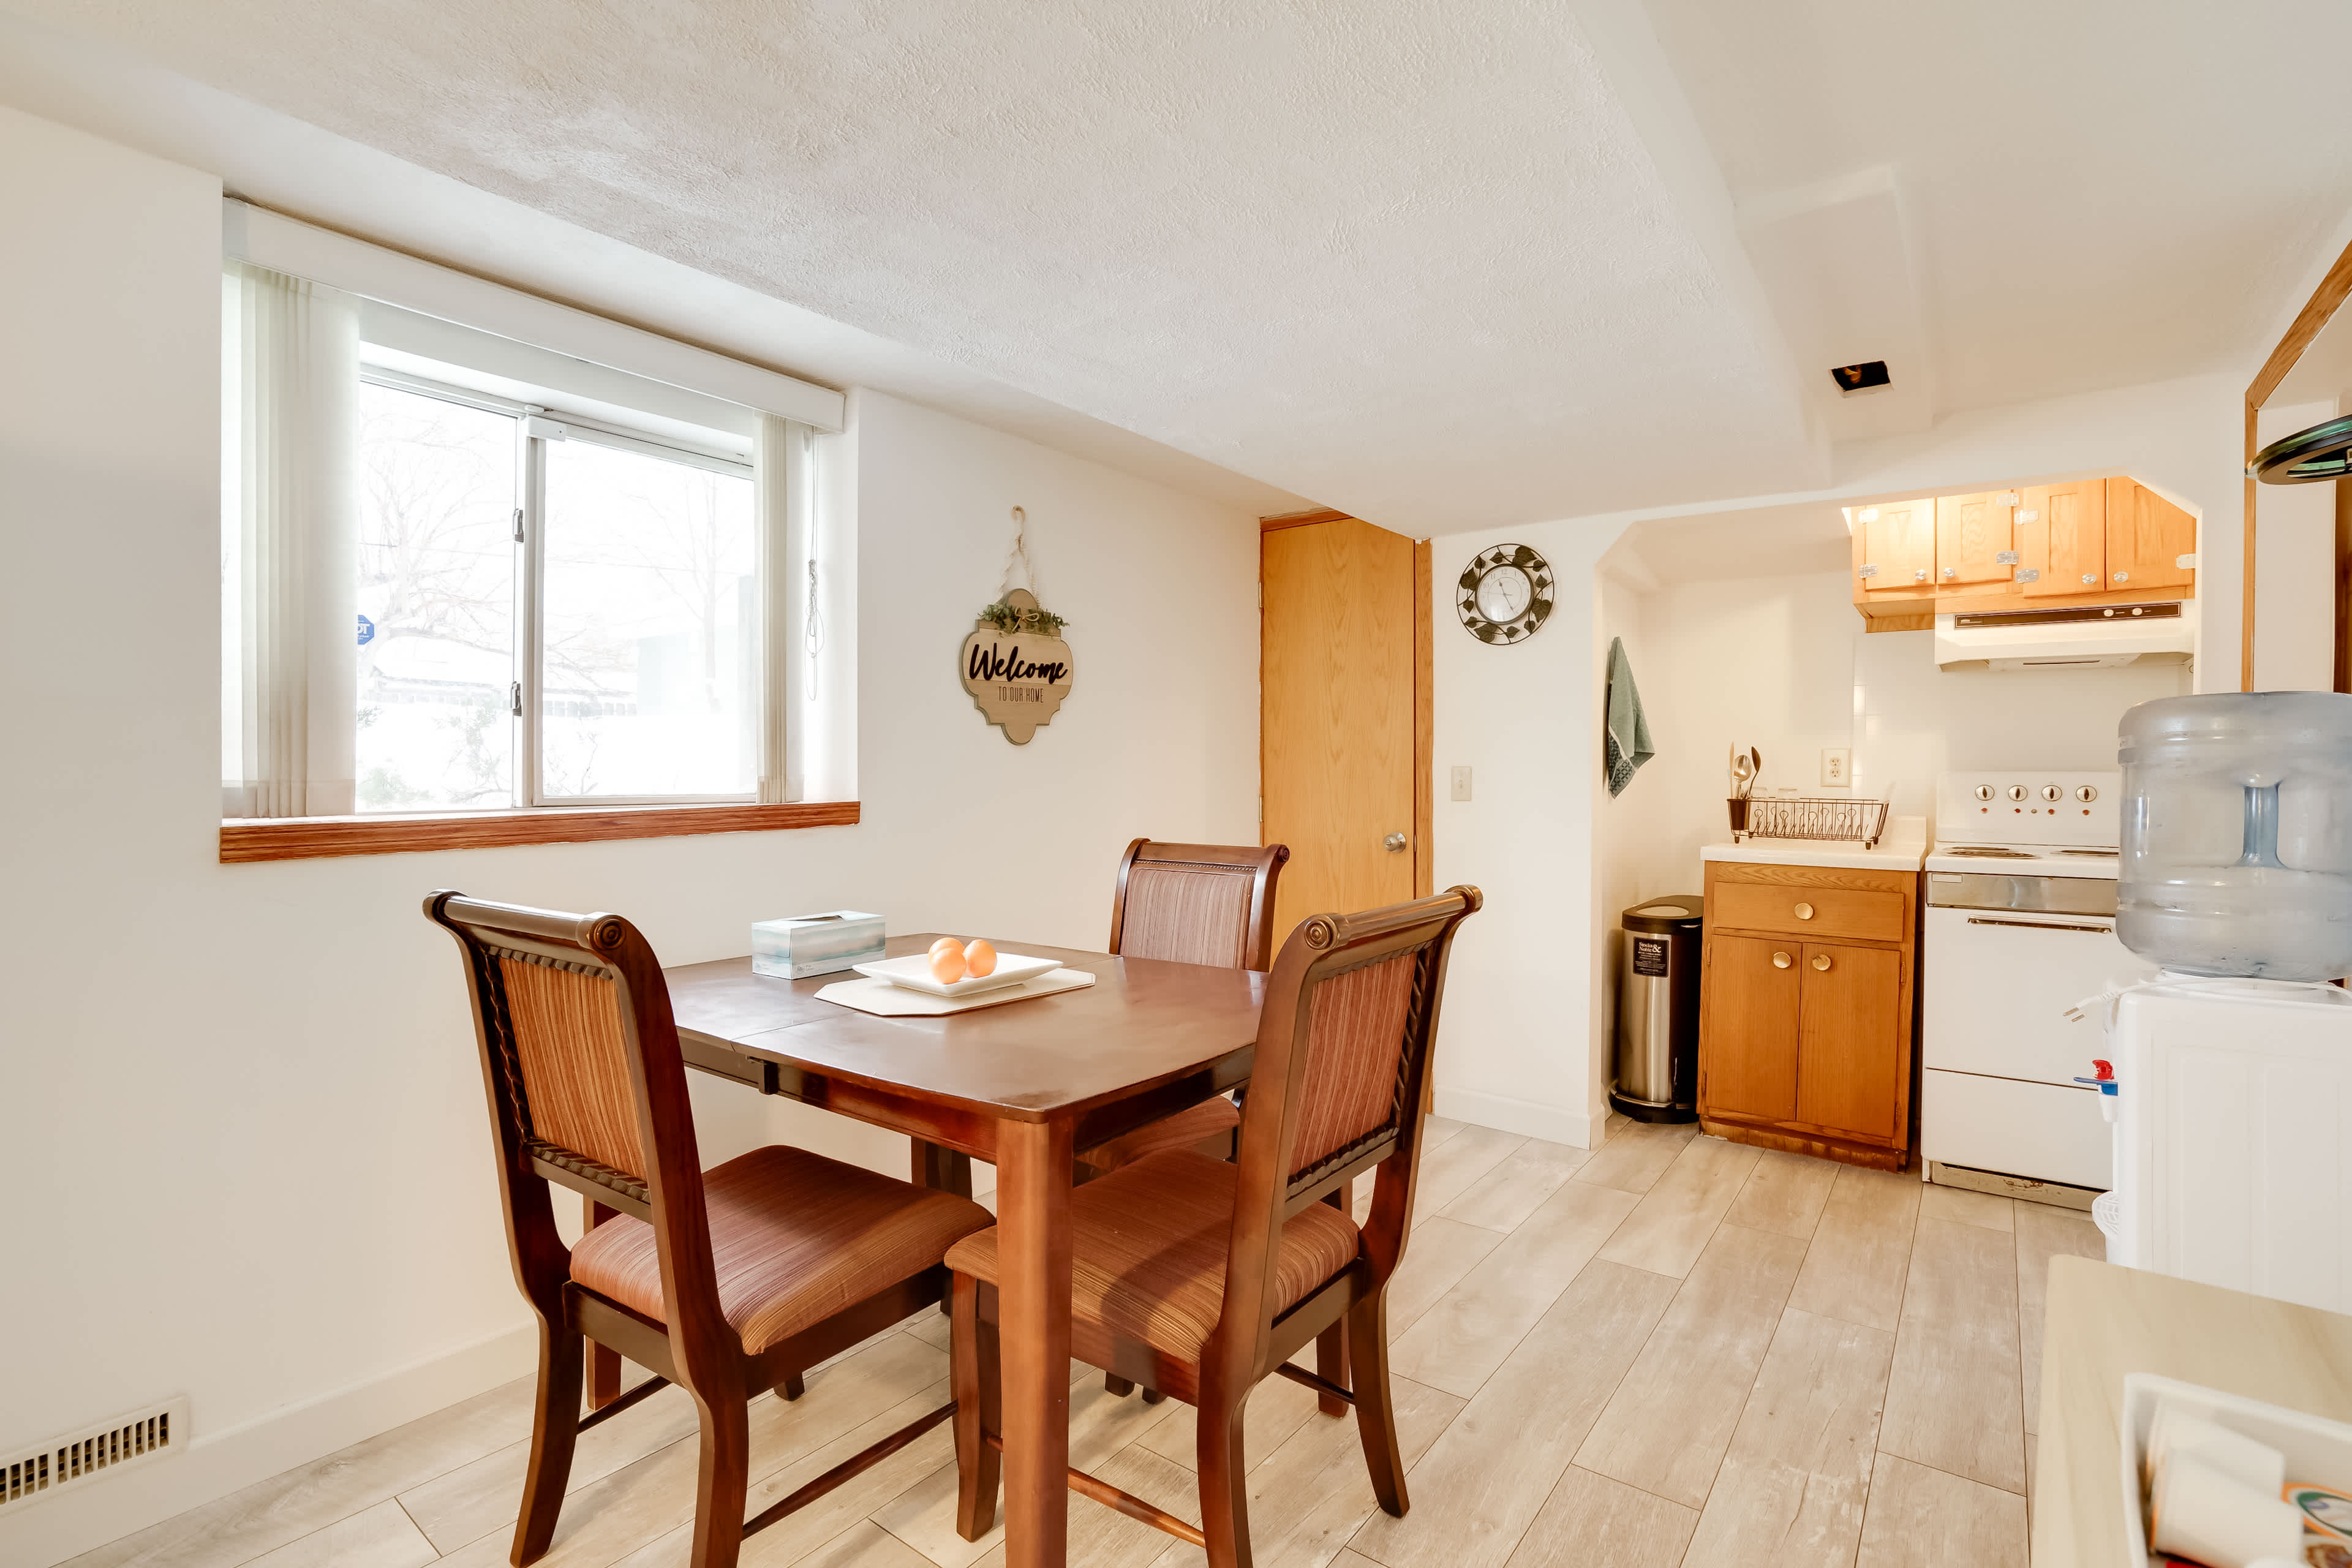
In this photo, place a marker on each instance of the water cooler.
(2232, 1071)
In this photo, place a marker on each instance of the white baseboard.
(1506, 1114)
(219, 1463)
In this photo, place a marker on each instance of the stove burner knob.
(2017, 792)
(2051, 792)
(1984, 791)
(2086, 794)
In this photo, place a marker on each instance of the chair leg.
(1117, 1386)
(1224, 1484)
(972, 1374)
(1152, 1396)
(1367, 1351)
(720, 1484)
(555, 1426)
(794, 1386)
(1331, 1365)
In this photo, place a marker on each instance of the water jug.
(2237, 833)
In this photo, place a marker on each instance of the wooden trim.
(2333, 289)
(1836, 1149)
(308, 837)
(1303, 519)
(1926, 623)
(2309, 321)
(1424, 725)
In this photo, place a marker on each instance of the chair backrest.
(1343, 1049)
(1197, 903)
(587, 1088)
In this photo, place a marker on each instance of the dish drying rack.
(1783, 816)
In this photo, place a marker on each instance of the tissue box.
(799, 946)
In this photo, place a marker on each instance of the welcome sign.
(1017, 678)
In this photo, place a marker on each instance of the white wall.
(2295, 568)
(1773, 664)
(242, 1129)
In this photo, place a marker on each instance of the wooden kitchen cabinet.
(1976, 538)
(2146, 536)
(2108, 540)
(1898, 547)
(2062, 538)
(1805, 1036)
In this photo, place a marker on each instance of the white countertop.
(1901, 848)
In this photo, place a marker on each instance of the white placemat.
(885, 1000)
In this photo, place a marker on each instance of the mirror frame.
(2308, 324)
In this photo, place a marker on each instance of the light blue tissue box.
(801, 945)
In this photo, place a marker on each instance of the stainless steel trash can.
(1658, 1010)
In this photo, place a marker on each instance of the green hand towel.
(1628, 729)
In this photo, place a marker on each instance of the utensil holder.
(1739, 804)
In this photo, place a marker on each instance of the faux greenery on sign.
(1038, 623)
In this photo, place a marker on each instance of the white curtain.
(298, 362)
(782, 470)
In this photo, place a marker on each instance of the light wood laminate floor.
(1677, 1350)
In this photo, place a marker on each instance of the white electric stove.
(2020, 925)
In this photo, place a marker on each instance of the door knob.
(1779, 960)
(1822, 961)
(1394, 843)
(1804, 911)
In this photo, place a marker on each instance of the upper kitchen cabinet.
(2062, 538)
(1976, 539)
(2146, 537)
(2037, 547)
(1896, 541)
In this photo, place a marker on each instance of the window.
(471, 585)
(550, 613)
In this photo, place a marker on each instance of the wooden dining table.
(1023, 1085)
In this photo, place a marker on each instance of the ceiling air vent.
(83, 1456)
(1853, 380)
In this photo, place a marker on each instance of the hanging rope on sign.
(1020, 553)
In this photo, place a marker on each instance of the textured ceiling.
(2098, 193)
(1408, 259)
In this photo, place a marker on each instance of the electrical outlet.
(1837, 767)
(1462, 784)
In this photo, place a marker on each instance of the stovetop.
(2035, 823)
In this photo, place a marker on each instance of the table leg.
(1033, 1220)
(944, 1170)
(603, 1362)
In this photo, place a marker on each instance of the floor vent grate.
(83, 1456)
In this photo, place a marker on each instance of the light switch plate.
(1837, 767)
(1461, 782)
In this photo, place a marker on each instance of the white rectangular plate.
(888, 1001)
(914, 973)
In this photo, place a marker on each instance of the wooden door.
(1849, 1056)
(1748, 1027)
(1337, 754)
(1972, 532)
(2062, 533)
(1900, 542)
(2147, 535)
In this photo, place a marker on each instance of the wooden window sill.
(305, 837)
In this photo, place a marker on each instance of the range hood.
(2082, 636)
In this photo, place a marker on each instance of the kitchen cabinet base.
(1874, 1156)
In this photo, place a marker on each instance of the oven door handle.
(2038, 925)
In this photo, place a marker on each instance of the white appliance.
(2232, 1162)
(2019, 926)
(2076, 637)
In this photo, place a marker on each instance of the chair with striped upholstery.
(727, 1283)
(1190, 903)
(1201, 1277)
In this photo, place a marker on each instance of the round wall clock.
(1504, 594)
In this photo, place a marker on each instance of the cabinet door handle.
(1779, 960)
(1821, 961)
(1804, 911)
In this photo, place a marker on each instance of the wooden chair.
(1201, 1277)
(1190, 903)
(727, 1283)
